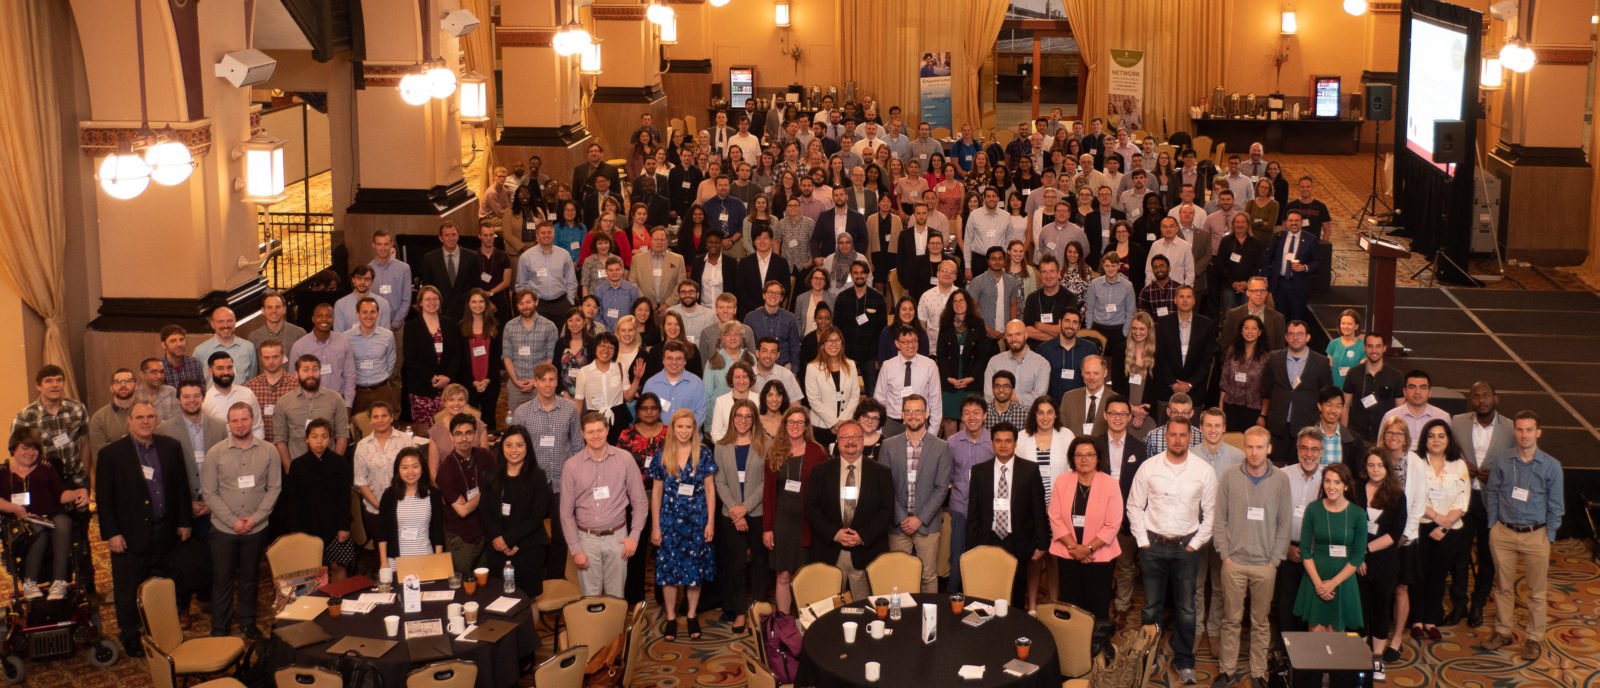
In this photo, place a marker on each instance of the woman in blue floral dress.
(682, 503)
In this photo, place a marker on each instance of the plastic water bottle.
(509, 574)
(894, 605)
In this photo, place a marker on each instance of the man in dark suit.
(1294, 376)
(1485, 437)
(595, 198)
(1100, 226)
(1190, 173)
(1013, 519)
(583, 175)
(1290, 263)
(723, 270)
(827, 226)
(1255, 303)
(143, 502)
(861, 198)
(1122, 455)
(452, 270)
(683, 183)
(756, 269)
(850, 507)
(658, 209)
(1095, 142)
(1186, 343)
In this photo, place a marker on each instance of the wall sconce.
(780, 14)
(473, 101)
(1290, 26)
(415, 89)
(1491, 78)
(718, 3)
(263, 169)
(669, 31)
(441, 81)
(658, 13)
(1355, 8)
(589, 59)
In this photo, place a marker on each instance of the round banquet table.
(827, 662)
(499, 663)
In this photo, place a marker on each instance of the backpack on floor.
(1134, 656)
(781, 637)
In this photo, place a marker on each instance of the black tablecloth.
(499, 663)
(826, 661)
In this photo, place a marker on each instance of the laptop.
(302, 634)
(491, 630)
(371, 648)
(429, 648)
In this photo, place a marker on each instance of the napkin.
(971, 672)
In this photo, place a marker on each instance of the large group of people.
(744, 353)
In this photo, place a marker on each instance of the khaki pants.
(1237, 581)
(926, 549)
(1532, 550)
(1208, 574)
(1125, 578)
(855, 580)
(364, 397)
(608, 570)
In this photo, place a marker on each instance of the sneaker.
(58, 590)
(1377, 670)
(1497, 641)
(30, 590)
(1186, 676)
(1531, 650)
(1223, 681)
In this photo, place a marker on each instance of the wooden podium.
(1381, 255)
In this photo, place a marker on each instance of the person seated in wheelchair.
(31, 494)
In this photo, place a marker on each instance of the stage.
(1540, 350)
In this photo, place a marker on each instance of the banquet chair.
(306, 677)
(895, 291)
(892, 571)
(426, 567)
(565, 670)
(1202, 148)
(691, 126)
(1220, 155)
(633, 652)
(675, 124)
(943, 557)
(758, 614)
(592, 621)
(987, 572)
(815, 581)
(940, 133)
(294, 552)
(360, 426)
(558, 592)
(757, 676)
(1093, 336)
(358, 525)
(450, 673)
(163, 635)
(1073, 630)
(163, 675)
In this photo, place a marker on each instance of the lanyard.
(465, 479)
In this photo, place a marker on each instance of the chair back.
(1094, 336)
(691, 125)
(987, 572)
(816, 581)
(895, 291)
(1166, 148)
(638, 624)
(559, 592)
(565, 670)
(1073, 630)
(940, 133)
(674, 124)
(360, 426)
(594, 621)
(1138, 135)
(943, 557)
(756, 675)
(294, 552)
(162, 672)
(450, 673)
(426, 567)
(158, 607)
(307, 677)
(894, 570)
(1003, 137)
(759, 611)
(1202, 147)
(1221, 155)
(1234, 439)
(358, 525)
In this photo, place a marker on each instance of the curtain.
(32, 220)
(1183, 59)
(982, 27)
(478, 50)
(1086, 16)
(883, 40)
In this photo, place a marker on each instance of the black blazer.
(683, 196)
(1281, 393)
(822, 244)
(729, 269)
(1171, 366)
(1092, 227)
(389, 525)
(1030, 523)
(874, 512)
(1133, 456)
(453, 295)
(748, 282)
(122, 500)
(971, 360)
(589, 207)
(416, 373)
(658, 208)
(530, 500)
(1251, 252)
(583, 177)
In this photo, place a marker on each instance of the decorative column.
(630, 81)
(687, 79)
(542, 112)
(1539, 158)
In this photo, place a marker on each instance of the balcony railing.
(294, 247)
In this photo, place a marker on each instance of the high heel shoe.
(669, 630)
(694, 628)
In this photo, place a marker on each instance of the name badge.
(1150, 236)
(524, 351)
(327, 369)
(601, 493)
(367, 364)
(666, 406)
(574, 246)
(793, 243)
(1027, 192)
(599, 274)
(741, 477)
(1135, 379)
(693, 338)
(722, 217)
(246, 482)
(1235, 257)
(438, 347)
(1369, 401)
(1161, 312)
(1240, 377)
(505, 509)
(385, 289)
(149, 473)
(1002, 503)
(850, 492)
(486, 277)
(1077, 521)
(1088, 428)
(22, 499)
(1050, 245)
(61, 440)
(685, 489)
(1068, 373)
(1337, 551)
(612, 314)
(472, 494)
(1349, 353)
(1111, 308)
(1372, 527)
(1435, 495)
(656, 272)
(1343, 370)
(541, 272)
(911, 476)
(1519, 493)
(1299, 512)
(480, 351)
(686, 185)
(861, 319)
(1255, 513)
(547, 440)
(791, 485)
(269, 409)
(411, 533)
(1047, 318)
(938, 189)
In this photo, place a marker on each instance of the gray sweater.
(1264, 539)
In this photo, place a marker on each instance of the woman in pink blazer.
(1085, 517)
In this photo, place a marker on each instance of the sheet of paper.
(358, 606)
(438, 596)
(971, 672)
(376, 597)
(424, 627)
(502, 605)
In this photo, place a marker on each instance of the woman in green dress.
(1333, 536)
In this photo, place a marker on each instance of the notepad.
(1017, 667)
(906, 601)
(971, 672)
(504, 605)
(376, 597)
(439, 596)
(359, 606)
(424, 628)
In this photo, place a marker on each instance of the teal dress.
(684, 557)
(1343, 358)
(1322, 535)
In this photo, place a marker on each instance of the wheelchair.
(42, 629)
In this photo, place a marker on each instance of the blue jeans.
(1169, 573)
(958, 547)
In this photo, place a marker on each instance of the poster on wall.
(934, 87)
(1126, 91)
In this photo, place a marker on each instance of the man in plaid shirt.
(272, 384)
(176, 363)
(64, 425)
(1156, 297)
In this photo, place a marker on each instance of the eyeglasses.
(1394, 433)
(1116, 414)
(122, 381)
(796, 421)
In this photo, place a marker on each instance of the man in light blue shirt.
(391, 278)
(999, 295)
(1523, 503)
(678, 388)
(332, 350)
(548, 273)
(374, 351)
(344, 310)
(616, 294)
(223, 339)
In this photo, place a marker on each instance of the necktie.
(849, 502)
(1088, 416)
(450, 266)
(1002, 517)
(908, 374)
(1288, 253)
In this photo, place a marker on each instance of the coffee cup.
(391, 625)
(482, 573)
(458, 625)
(335, 606)
(875, 629)
(850, 628)
(454, 610)
(1002, 607)
(874, 671)
(470, 611)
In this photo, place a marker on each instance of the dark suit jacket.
(730, 273)
(589, 207)
(1202, 185)
(1249, 265)
(659, 209)
(583, 177)
(822, 244)
(1093, 228)
(1030, 523)
(748, 280)
(683, 196)
(1235, 319)
(418, 369)
(1307, 252)
(453, 295)
(123, 501)
(874, 512)
(1172, 366)
(1133, 456)
(867, 205)
(1282, 391)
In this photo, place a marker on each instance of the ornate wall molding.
(618, 12)
(524, 36)
(102, 138)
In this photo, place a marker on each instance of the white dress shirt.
(217, 403)
(1303, 491)
(891, 388)
(1179, 255)
(1172, 499)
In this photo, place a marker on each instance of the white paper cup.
(470, 611)
(850, 632)
(386, 575)
(1001, 607)
(391, 625)
(874, 671)
(875, 629)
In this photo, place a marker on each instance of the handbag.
(341, 553)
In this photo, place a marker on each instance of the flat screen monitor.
(1325, 90)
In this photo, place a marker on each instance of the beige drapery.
(883, 41)
(1087, 29)
(1185, 56)
(478, 50)
(33, 233)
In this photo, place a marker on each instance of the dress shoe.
(1223, 681)
(1497, 641)
(1434, 634)
(1531, 650)
(133, 650)
(1417, 633)
(1453, 618)
(1475, 617)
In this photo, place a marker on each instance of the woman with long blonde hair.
(682, 504)
(1138, 367)
(742, 559)
(832, 387)
(790, 459)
